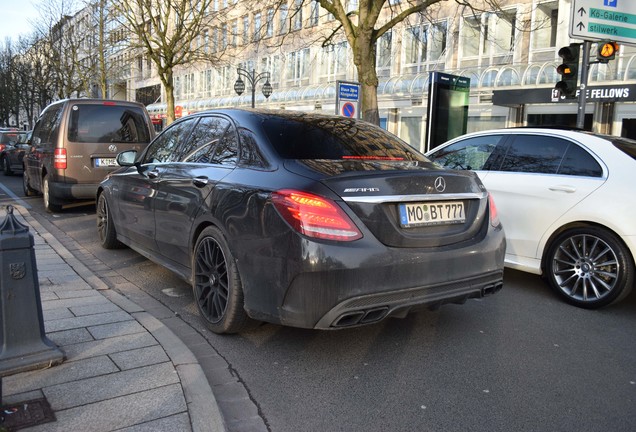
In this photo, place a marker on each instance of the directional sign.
(604, 19)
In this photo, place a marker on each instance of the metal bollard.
(24, 343)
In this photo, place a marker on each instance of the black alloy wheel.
(590, 267)
(26, 186)
(105, 226)
(217, 285)
(49, 205)
(7, 166)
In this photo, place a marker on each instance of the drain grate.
(26, 414)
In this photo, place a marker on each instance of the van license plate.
(423, 214)
(105, 162)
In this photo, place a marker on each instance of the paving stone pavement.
(124, 369)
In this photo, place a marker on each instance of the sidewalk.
(124, 369)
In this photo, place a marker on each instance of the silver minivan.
(74, 146)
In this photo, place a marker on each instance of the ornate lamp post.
(253, 79)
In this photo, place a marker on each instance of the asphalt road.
(521, 360)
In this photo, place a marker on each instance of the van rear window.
(107, 124)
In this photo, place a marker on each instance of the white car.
(567, 202)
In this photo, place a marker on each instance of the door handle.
(563, 188)
(153, 174)
(200, 181)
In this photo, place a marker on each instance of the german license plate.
(105, 162)
(437, 213)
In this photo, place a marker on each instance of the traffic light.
(606, 51)
(569, 70)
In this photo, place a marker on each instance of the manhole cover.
(25, 414)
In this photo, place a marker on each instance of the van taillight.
(59, 161)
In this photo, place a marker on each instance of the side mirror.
(127, 158)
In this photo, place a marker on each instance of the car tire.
(26, 186)
(589, 267)
(105, 226)
(216, 284)
(49, 201)
(7, 167)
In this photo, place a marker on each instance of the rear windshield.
(625, 145)
(335, 138)
(103, 123)
(7, 137)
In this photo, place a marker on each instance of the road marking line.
(15, 197)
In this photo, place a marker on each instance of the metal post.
(585, 66)
(24, 343)
(252, 80)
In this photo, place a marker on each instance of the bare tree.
(168, 33)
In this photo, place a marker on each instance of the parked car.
(11, 158)
(566, 201)
(8, 137)
(302, 219)
(74, 145)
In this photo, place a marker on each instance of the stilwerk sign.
(604, 19)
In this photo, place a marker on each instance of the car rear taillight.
(494, 216)
(2, 147)
(59, 160)
(315, 216)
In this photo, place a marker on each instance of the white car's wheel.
(590, 267)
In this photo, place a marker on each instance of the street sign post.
(604, 20)
(348, 99)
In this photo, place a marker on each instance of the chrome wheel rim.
(585, 268)
(211, 280)
(102, 218)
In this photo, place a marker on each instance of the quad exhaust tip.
(361, 317)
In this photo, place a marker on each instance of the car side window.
(226, 152)
(163, 149)
(468, 154)
(534, 154)
(578, 162)
(46, 124)
(204, 139)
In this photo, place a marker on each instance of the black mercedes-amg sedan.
(302, 219)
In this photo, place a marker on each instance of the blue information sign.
(349, 91)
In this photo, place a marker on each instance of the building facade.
(510, 56)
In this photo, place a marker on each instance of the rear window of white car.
(625, 145)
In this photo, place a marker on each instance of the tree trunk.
(364, 59)
(169, 87)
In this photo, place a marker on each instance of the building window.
(234, 35)
(257, 26)
(383, 54)
(470, 36)
(298, 15)
(269, 31)
(545, 23)
(315, 13)
(423, 45)
(246, 30)
(297, 68)
(223, 36)
(333, 62)
(282, 26)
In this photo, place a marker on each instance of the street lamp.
(253, 79)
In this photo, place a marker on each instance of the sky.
(14, 18)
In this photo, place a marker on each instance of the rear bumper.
(68, 191)
(329, 286)
(371, 308)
